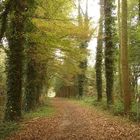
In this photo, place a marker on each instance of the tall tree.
(99, 54)
(134, 45)
(15, 61)
(83, 46)
(109, 49)
(119, 29)
(124, 59)
(32, 86)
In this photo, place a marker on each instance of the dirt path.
(74, 122)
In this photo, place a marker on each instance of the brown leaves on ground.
(74, 122)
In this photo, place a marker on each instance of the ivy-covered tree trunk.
(30, 89)
(99, 55)
(124, 59)
(15, 62)
(36, 76)
(33, 81)
(83, 46)
(82, 76)
(119, 64)
(109, 49)
(41, 81)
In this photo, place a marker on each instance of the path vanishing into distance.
(73, 121)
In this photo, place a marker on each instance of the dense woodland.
(44, 45)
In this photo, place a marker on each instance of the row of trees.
(47, 46)
(116, 40)
(43, 39)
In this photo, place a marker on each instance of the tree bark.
(109, 49)
(124, 59)
(99, 54)
(15, 63)
(119, 28)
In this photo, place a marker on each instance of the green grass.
(117, 109)
(91, 101)
(45, 110)
(6, 128)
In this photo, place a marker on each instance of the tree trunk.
(109, 49)
(83, 46)
(119, 28)
(124, 59)
(15, 63)
(30, 90)
(99, 55)
(36, 73)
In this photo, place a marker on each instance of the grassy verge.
(45, 110)
(6, 128)
(117, 109)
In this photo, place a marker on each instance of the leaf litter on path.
(75, 122)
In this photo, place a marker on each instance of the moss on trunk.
(15, 63)
(109, 49)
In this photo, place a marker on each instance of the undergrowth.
(6, 128)
(116, 109)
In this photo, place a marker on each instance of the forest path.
(76, 122)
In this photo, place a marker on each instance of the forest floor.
(73, 121)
